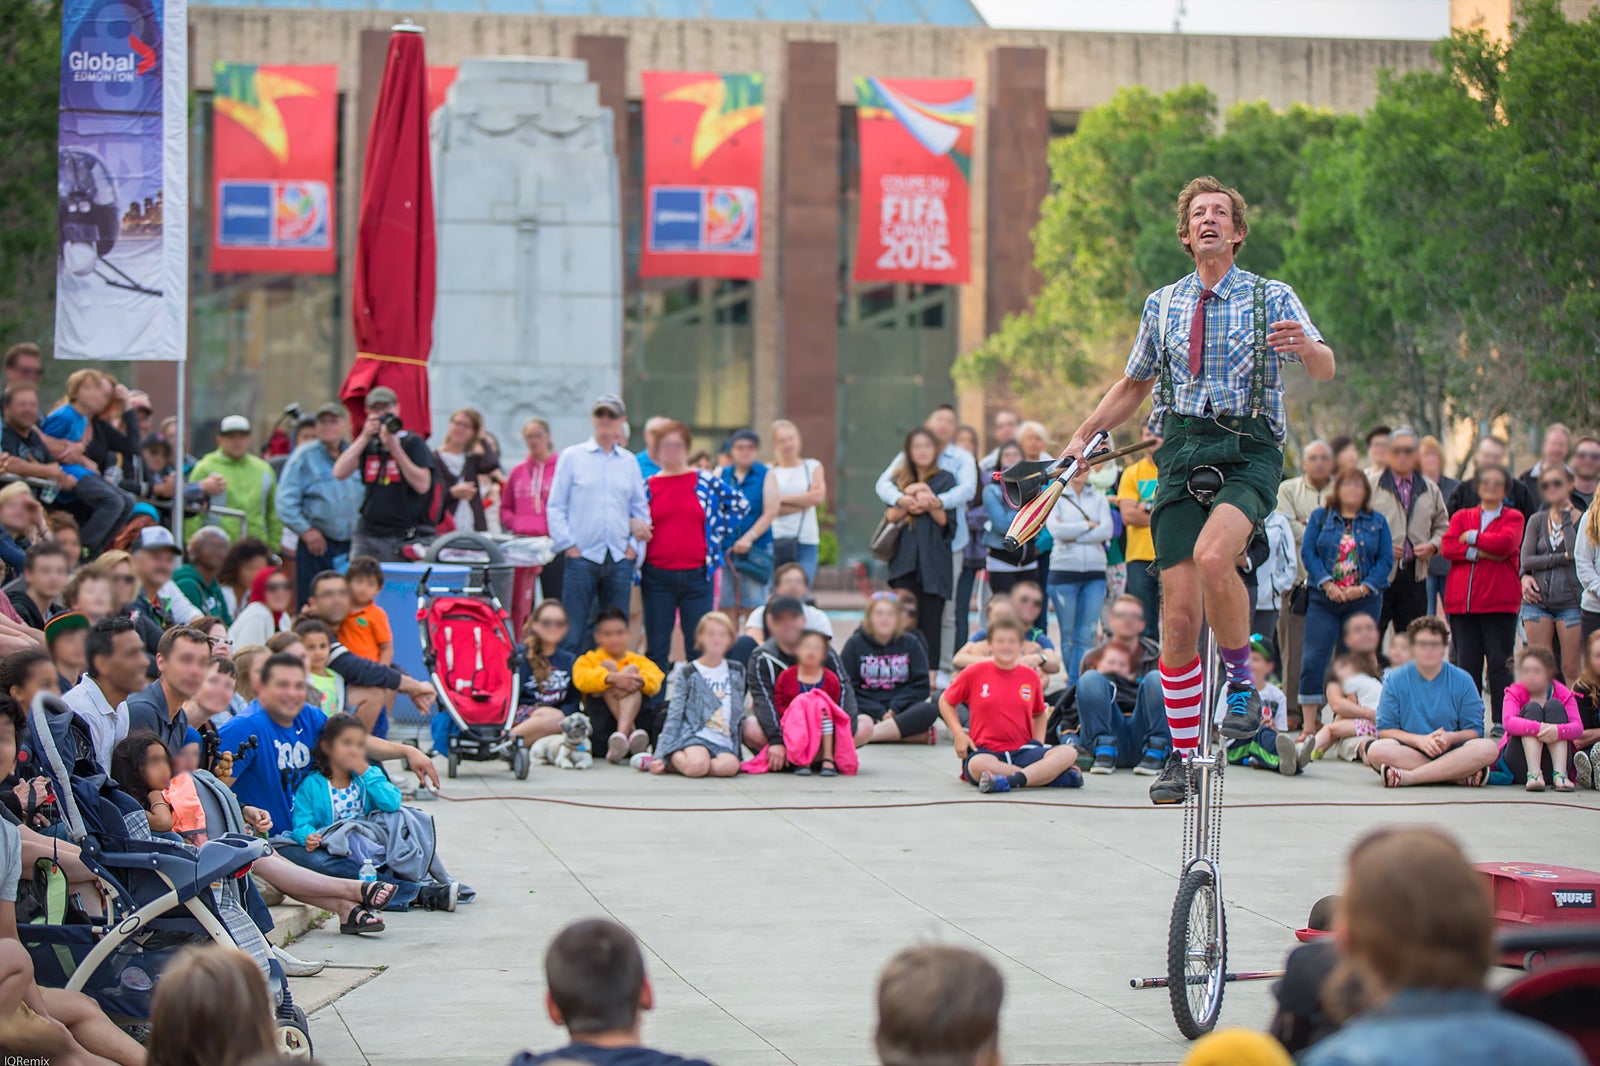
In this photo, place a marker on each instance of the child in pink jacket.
(1542, 714)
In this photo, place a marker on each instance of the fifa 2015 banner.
(703, 143)
(122, 181)
(916, 165)
(275, 139)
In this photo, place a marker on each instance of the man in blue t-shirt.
(285, 729)
(1430, 718)
(595, 986)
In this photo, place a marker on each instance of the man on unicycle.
(1209, 347)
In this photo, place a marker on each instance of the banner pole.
(180, 431)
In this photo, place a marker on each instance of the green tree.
(1107, 232)
(30, 66)
(1549, 94)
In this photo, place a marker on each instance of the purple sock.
(1237, 660)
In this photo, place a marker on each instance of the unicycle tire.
(1197, 954)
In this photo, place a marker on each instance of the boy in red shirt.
(1004, 746)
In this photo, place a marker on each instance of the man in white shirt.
(116, 658)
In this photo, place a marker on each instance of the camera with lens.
(291, 410)
(391, 423)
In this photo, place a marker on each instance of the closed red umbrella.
(395, 267)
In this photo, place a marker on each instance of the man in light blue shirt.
(1430, 718)
(317, 507)
(963, 466)
(598, 510)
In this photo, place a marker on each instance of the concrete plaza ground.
(765, 924)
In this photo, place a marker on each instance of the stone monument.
(529, 314)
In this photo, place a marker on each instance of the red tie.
(1197, 334)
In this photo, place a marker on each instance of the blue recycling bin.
(399, 600)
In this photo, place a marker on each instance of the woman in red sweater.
(1484, 590)
(690, 510)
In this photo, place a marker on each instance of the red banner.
(703, 142)
(916, 162)
(439, 81)
(275, 136)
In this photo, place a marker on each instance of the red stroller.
(473, 657)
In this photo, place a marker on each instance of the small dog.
(568, 749)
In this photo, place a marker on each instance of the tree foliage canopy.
(30, 71)
(1444, 242)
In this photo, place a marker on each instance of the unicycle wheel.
(1197, 954)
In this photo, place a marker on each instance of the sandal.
(1535, 781)
(1391, 778)
(375, 895)
(829, 768)
(361, 921)
(1478, 778)
(1563, 783)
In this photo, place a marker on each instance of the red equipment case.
(1533, 893)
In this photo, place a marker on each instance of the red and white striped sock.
(1181, 690)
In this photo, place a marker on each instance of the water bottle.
(369, 872)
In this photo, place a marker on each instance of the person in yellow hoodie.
(622, 680)
(251, 487)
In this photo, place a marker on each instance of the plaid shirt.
(1223, 387)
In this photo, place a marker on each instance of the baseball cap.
(784, 605)
(139, 400)
(331, 410)
(610, 401)
(234, 424)
(209, 531)
(382, 395)
(64, 623)
(744, 434)
(155, 538)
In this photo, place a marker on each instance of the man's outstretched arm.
(1120, 403)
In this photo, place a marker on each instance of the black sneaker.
(1244, 712)
(439, 897)
(1497, 731)
(1105, 761)
(1173, 784)
(1150, 765)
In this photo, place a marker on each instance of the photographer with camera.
(247, 484)
(396, 468)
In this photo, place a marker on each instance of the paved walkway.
(765, 928)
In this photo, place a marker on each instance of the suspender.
(1167, 392)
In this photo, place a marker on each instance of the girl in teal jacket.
(344, 786)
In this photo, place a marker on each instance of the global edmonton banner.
(275, 133)
(122, 181)
(916, 164)
(703, 140)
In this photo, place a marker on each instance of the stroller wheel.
(520, 762)
(294, 1034)
(454, 765)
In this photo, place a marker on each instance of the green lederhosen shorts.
(1241, 447)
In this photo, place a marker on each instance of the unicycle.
(1197, 936)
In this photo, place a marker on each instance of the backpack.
(434, 512)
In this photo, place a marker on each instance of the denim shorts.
(1538, 612)
(752, 594)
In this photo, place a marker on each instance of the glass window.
(897, 342)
